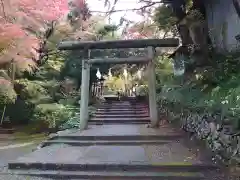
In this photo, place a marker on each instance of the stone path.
(9, 150)
(118, 145)
(12, 148)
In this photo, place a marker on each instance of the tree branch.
(133, 9)
(3, 9)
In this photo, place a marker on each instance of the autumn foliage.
(22, 23)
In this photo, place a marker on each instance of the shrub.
(69, 101)
(20, 112)
(142, 90)
(222, 100)
(74, 121)
(7, 93)
(51, 115)
(31, 89)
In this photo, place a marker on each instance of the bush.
(41, 100)
(222, 100)
(7, 93)
(31, 89)
(69, 101)
(74, 121)
(20, 112)
(51, 116)
(142, 90)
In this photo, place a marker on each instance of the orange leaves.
(19, 20)
(47, 10)
(140, 30)
(15, 44)
(11, 30)
(9, 33)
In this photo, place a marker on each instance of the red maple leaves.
(20, 21)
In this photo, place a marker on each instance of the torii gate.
(87, 46)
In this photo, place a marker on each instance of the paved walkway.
(11, 151)
(118, 145)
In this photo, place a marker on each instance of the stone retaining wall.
(221, 139)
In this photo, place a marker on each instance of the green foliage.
(7, 94)
(40, 97)
(213, 90)
(164, 18)
(20, 112)
(105, 30)
(34, 90)
(50, 69)
(73, 66)
(70, 101)
(51, 115)
(31, 89)
(142, 90)
(74, 121)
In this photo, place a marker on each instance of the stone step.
(109, 99)
(120, 105)
(119, 112)
(121, 132)
(110, 158)
(123, 105)
(129, 130)
(99, 121)
(7, 130)
(111, 175)
(106, 143)
(76, 167)
(106, 116)
(134, 118)
(124, 102)
(119, 123)
(122, 110)
(115, 138)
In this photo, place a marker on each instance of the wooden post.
(152, 88)
(85, 92)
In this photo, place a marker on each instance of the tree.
(22, 26)
(26, 26)
(94, 28)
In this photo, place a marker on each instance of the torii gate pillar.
(152, 88)
(84, 115)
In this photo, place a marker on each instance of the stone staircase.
(117, 146)
(125, 112)
(6, 130)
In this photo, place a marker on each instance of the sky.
(98, 5)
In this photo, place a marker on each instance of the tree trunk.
(184, 34)
(179, 9)
(199, 35)
(236, 6)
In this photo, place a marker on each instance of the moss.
(25, 136)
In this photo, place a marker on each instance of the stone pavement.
(9, 150)
(119, 147)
